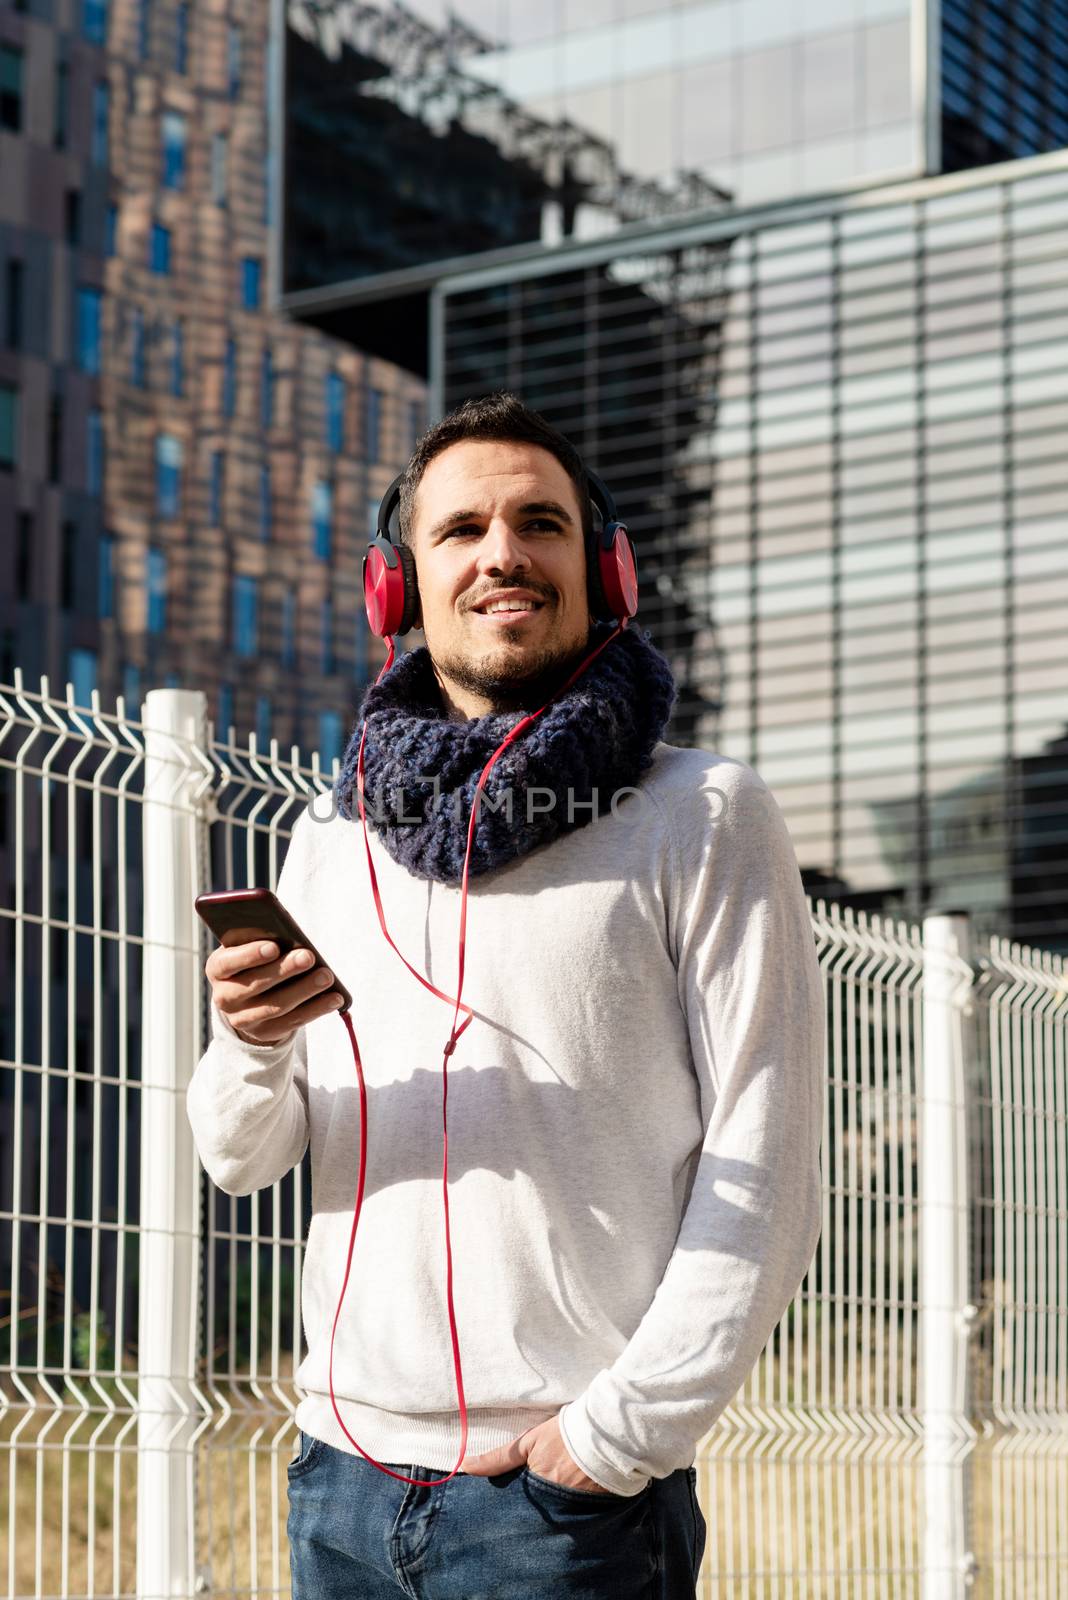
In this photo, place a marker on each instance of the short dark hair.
(500, 416)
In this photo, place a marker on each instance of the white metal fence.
(905, 1432)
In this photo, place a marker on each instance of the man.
(634, 1112)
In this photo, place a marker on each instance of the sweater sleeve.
(751, 989)
(248, 1104)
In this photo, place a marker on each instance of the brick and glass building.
(186, 478)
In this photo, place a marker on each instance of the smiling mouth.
(514, 611)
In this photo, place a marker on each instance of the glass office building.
(715, 243)
(1003, 79)
(167, 439)
(410, 135)
(837, 432)
(514, 120)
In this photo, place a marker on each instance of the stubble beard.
(520, 685)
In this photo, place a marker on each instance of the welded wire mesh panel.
(1020, 1253)
(72, 946)
(811, 1482)
(70, 950)
(253, 1245)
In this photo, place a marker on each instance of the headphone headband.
(391, 590)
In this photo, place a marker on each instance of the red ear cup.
(613, 574)
(390, 589)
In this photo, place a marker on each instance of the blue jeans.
(354, 1532)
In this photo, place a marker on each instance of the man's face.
(489, 518)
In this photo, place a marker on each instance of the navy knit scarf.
(599, 736)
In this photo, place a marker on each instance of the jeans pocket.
(585, 1495)
(311, 1451)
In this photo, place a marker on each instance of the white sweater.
(634, 1118)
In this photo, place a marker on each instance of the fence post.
(174, 720)
(945, 1312)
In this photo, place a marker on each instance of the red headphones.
(391, 591)
(391, 596)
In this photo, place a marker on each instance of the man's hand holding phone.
(265, 996)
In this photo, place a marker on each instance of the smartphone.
(261, 915)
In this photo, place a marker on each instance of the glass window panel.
(160, 248)
(225, 724)
(891, 273)
(250, 282)
(81, 674)
(168, 474)
(1042, 329)
(263, 721)
(966, 400)
(106, 578)
(707, 91)
(326, 636)
(99, 133)
(177, 363)
(138, 367)
(1030, 306)
(173, 130)
(288, 646)
(963, 461)
(181, 37)
(771, 405)
(830, 84)
(95, 452)
(955, 685)
(964, 344)
(888, 583)
(799, 250)
(976, 568)
(233, 60)
(1038, 274)
(219, 162)
(762, 21)
(156, 589)
(89, 307)
(897, 447)
(1029, 563)
(879, 347)
(966, 281)
(329, 738)
(373, 424)
(944, 490)
(322, 518)
(794, 529)
(765, 108)
(245, 618)
(795, 711)
(215, 487)
(335, 410)
(229, 385)
(95, 20)
(649, 143)
(783, 769)
(1031, 222)
(266, 502)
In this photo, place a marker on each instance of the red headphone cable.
(454, 1035)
